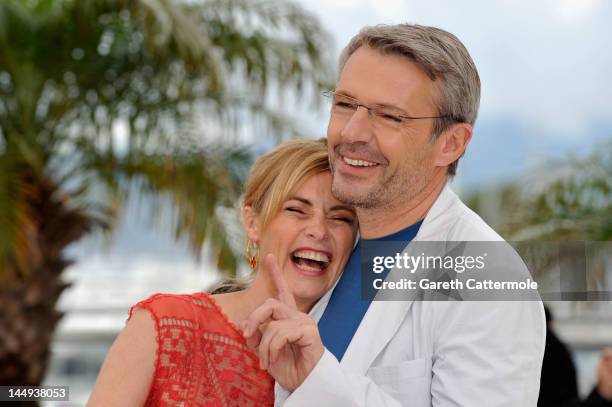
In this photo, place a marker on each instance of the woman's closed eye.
(295, 210)
(345, 219)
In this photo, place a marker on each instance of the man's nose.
(358, 127)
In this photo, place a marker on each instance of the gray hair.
(442, 56)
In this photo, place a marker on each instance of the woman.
(187, 349)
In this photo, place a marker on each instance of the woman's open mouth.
(312, 262)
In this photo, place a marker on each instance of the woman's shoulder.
(197, 310)
(167, 305)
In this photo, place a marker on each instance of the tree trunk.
(28, 295)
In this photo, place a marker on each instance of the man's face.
(375, 165)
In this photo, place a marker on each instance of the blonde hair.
(277, 174)
(273, 178)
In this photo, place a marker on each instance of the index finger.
(271, 309)
(284, 292)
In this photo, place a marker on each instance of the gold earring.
(251, 257)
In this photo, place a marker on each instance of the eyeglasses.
(384, 116)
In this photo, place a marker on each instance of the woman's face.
(311, 237)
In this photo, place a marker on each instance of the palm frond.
(174, 74)
(193, 185)
(571, 201)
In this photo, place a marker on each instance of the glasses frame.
(372, 111)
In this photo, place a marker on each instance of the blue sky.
(548, 62)
(545, 68)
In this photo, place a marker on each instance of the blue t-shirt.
(346, 306)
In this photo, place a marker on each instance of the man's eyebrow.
(385, 105)
(389, 106)
(344, 93)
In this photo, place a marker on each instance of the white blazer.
(434, 353)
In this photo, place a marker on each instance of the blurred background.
(127, 127)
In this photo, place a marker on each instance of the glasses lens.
(343, 107)
(387, 117)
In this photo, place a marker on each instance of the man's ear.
(452, 143)
(251, 223)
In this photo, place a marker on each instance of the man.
(402, 115)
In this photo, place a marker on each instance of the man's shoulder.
(452, 220)
(468, 225)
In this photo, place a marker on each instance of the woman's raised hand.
(286, 340)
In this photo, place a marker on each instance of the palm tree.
(571, 200)
(104, 99)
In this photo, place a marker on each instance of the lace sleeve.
(151, 306)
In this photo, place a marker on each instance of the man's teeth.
(358, 163)
(310, 255)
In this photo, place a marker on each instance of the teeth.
(310, 255)
(309, 268)
(358, 163)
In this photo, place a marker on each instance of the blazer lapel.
(378, 326)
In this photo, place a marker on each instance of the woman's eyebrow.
(343, 208)
(300, 199)
(333, 208)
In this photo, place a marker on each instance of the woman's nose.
(317, 228)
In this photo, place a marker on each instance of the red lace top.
(202, 358)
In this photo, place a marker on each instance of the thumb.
(253, 340)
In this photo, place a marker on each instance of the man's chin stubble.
(369, 201)
(385, 196)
